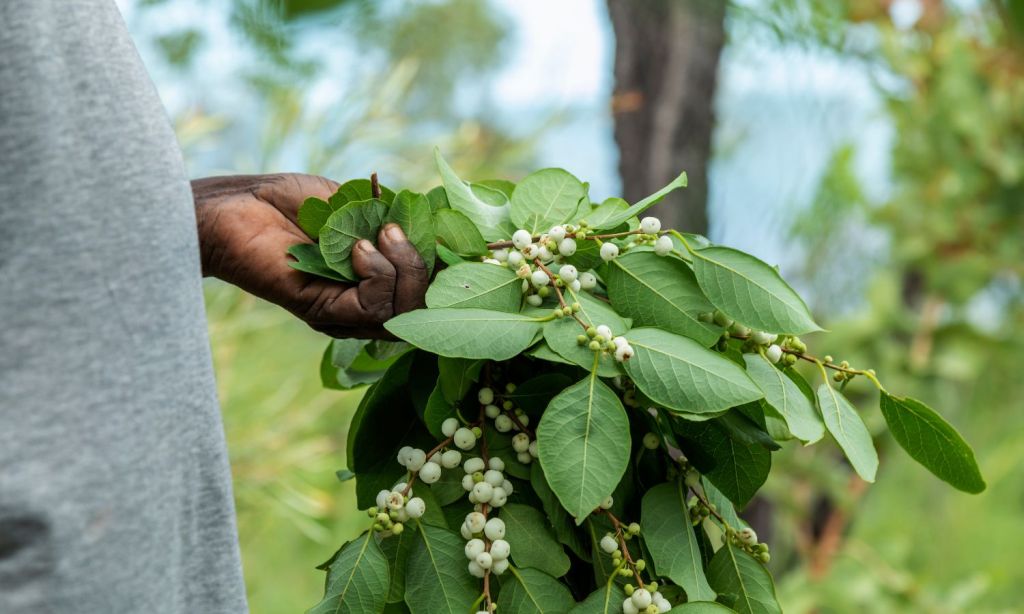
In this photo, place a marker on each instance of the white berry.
(466, 532)
(484, 560)
(534, 300)
(641, 598)
(568, 273)
(403, 455)
(495, 529)
(395, 500)
(575, 285)
(382, 499)
(540, 278)
(476, 521)
(531, 251)
(607, 503)
(492, 411)
(524, 458)
(762, 338)
(623, 353)
(663, 246)
(473, 465)
(544, 253)
(485, 396)
(483, 492)
(650, 225)
(628, 607)
(414, 460)
(567, 247)
(499, 497)
(499, 567)
(451, 459)
(514, 259)
(501, 255)
(609, 251)
(608, 544)
(500, 549)
(494, 478)
(533, 448)
(476, 570)
(449, 426)
(588, 281)
(474, 547)
(773, 353)
(492, 261)
(464, 438)
(503, 423)
(430, 473)
(521, 238)
(497, 464)
(557, 233)
(507, 487)
(468, 482)
(521, 442)
(415, 507)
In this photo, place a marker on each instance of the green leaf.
(411, 211)
(700, 607)
(346, 364)
(438, 410)
(491, 221)
(662, 292)
(679, 373)
(466, 333)
(447, 256)
(456, 232)
(356, 190)
(614, 220)
(785, 397)
(545, 198)
(598, 216)
(932, 441)
(751, 292)
(345, 227)
(722, 503)
(845, 425)
(607, 599)
(534, 394)
(530, 591)
(357, 580)
(438, 199)
(396, 550)
(565, 527)
(668, 532)
(583, 441)
(436, 578)
(476, 284)
(313, 214)
(457, 376)
(735, 573)
(735, 468)
(504, 186)
(528, 533)
(308, 259)
(745, 424)
(344, 475)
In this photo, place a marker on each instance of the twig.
(558, 292)
(617, 524)
(374, 186)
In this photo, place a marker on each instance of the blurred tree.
(666, 66)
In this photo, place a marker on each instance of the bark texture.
(666, 65)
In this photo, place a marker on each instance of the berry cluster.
(600, 339)
(395, 507)
(540, 261)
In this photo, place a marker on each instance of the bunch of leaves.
(676, 435)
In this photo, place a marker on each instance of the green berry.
(595, 345)
(507, 405)
(628, 589)
(640, 564)
(576, 307)
(372, 511)
(398, 528)
(591, 332)
(581, 339)
(477, 432)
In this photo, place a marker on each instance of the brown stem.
(558, 292)
(374, 186)
(508, 243)
(617, 524)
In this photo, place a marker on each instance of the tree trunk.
(666, 64)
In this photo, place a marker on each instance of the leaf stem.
(628, 559)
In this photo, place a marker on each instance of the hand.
(246, 225)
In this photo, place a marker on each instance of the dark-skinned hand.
(246, 225)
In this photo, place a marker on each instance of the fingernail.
(363, 245)
(394, 232)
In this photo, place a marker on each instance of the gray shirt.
(115, 491)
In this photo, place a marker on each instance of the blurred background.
(873, 149)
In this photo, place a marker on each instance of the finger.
(376, 291)
(287, 191)
(412, 282)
